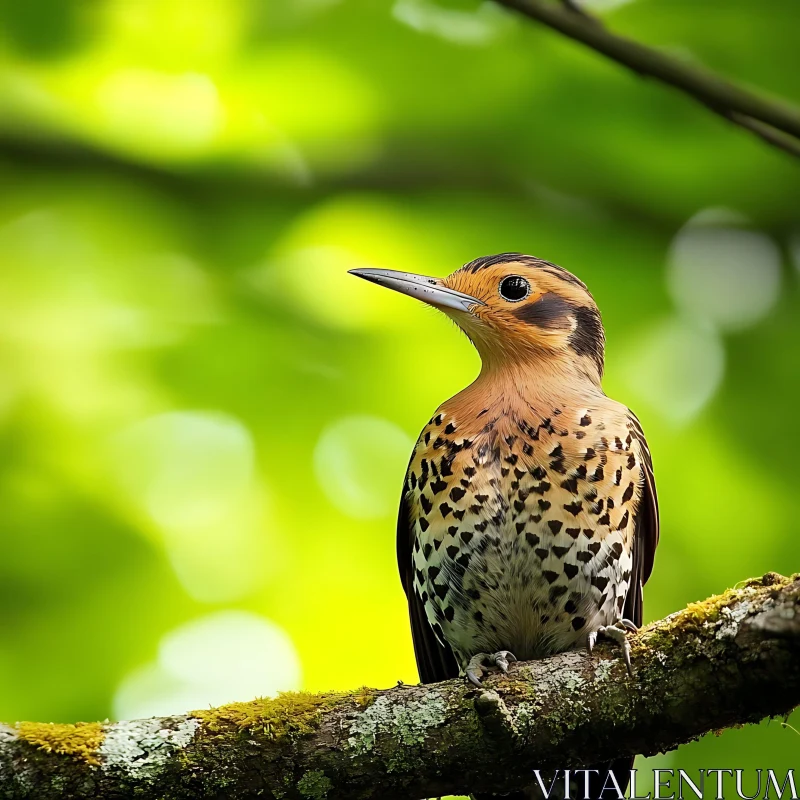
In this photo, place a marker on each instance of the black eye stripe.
(514, 288)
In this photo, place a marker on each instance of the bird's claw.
(617, 633)
(476, 667)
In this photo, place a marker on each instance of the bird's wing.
(435, 662)
(645, 539)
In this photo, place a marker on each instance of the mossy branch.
(729, 660)
(774, 121)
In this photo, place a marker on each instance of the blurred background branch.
(729, 660)
(774, 121)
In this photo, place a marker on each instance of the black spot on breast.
(459, 515)
(549, 575)
(449, 613)
(453, 551)
(584, 557)
(588, 338)
(532, 539)
(628, 493)
(542, 552)
(423, 524)
(427, 505)
(538, 474)
(463, 560)
(570, 607)
(555, 525)
(450, 428)
(578, 623)
(456, 493)
(478, 617)
(571, 485)
(440, 590)
(427, 550)
(560, 552)
(438, 486)
(574, 508)
(594, 548)
(573, 532)
(600, 582)
(586, 420)
(556, 592)
(616, 548)
(466, 536)
(544, 504)
(570, 570)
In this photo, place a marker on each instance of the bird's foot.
(618, 632)
(478, 663)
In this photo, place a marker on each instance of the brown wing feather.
(646, 534)
(435, 662)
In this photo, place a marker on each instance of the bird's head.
(515, 309)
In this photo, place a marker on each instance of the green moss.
(696, 617)
(80, 740)
(314, 785)
(288, 714)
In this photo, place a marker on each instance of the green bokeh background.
(204, 423)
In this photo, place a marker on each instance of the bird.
(528, 520)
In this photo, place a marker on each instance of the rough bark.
(774, 121)
(731, 659)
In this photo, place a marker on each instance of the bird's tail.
(597, 782)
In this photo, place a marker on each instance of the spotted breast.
(522, 526)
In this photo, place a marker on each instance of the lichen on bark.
(728, 660)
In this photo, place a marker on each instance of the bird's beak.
(429, 290)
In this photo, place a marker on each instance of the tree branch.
(765, 117)
(729, 660)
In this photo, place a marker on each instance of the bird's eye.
(514, 288)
